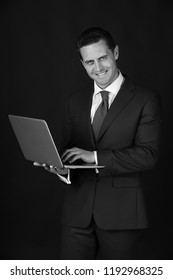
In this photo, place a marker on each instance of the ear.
(82, 63)
(116, 52)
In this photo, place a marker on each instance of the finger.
(62, 171)
(66, 156)
(79, 156)
(70, 150)
(52, 168)
(38, 164)
(71, 154)
(46, 167)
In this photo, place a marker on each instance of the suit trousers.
(93, 242)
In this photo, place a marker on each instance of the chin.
(103, 83)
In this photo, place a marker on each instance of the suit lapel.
(86, 113)
(121, 100)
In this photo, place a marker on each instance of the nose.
(98, 66)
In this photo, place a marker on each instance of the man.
(104, 210)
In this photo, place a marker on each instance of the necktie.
(100, 113)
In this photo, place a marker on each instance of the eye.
(103, 57)
(89, 62)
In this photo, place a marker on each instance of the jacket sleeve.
(67, 131)
(143, 154)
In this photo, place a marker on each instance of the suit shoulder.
(80, 91)
(80, 95)
(143, 92)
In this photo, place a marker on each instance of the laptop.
(37, 144)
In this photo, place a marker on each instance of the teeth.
(101, 74)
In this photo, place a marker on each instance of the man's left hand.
(70, 155)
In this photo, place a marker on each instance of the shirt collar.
(112, 88)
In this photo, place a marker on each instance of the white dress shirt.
(113, 90)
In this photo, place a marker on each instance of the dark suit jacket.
(127, 145)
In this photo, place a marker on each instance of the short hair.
(94, 35)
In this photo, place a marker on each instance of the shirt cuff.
(95, 157)
(64, 179)
(96, 161)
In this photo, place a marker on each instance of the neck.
(105, 86)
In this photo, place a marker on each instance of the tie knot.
(104, 94)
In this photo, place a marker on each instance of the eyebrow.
(87, 61)
(91, 60)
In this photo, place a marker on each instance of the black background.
(40, 68)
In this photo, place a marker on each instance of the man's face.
(100, 63)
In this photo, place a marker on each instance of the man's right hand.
(51, 168)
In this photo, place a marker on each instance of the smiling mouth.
(101, 74)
